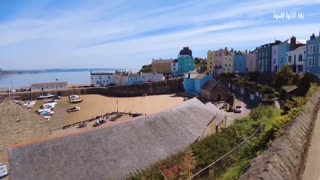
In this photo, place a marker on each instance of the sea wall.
(285, 159)
(150, 88)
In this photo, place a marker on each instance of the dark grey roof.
(210, 85)
(115, 151)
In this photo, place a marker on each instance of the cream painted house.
(227, 61)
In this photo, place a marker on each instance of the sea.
(25, 79)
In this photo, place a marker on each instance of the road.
(312, 165)
(231, 116)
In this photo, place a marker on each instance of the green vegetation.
(305, 83)
(197, 156)
(227, 75)
(146, 68)
(285, 77)
(200, 154)
(200, 62)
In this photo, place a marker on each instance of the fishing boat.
(73, 109)
(46, 96)
(76, 100)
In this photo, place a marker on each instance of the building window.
(289, 59)
(300, 57)
(311, 61)
(312, 48)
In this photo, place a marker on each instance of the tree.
(305, 83)
(285, 77)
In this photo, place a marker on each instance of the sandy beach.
(94, 105)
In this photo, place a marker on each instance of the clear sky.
(41, 34)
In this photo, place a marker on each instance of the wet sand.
(94, 105)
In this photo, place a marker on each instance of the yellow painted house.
(211, 61)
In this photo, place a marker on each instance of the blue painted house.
(239, 62)
(283, 48)
(312, 55)
(185, 61)
(192, 82)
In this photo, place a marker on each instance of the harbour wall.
(286, 157)
(150, 88)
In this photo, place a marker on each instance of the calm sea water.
(25, 80)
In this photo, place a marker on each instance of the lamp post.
(117, 107)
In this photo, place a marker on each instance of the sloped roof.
(115, 151)
(18, 125)
(200, 76)
(209, 85)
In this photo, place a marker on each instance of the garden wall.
(285, 159)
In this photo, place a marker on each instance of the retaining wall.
(285, 159)
(151, 88)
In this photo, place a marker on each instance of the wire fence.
(228, 153)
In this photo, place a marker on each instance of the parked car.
(238, 109)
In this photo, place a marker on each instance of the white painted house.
(51, 86)
(296, 58)
(151, 77)
(102, 78)
(174, 66)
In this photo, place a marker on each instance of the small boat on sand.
(46, 113)
(46, 96)
(73, 109)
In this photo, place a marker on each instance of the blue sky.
(41, 34)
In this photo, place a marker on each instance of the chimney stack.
(293, 43)
(312, 36)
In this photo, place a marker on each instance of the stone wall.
(151, 88)
(285, 159)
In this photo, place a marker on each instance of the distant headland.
(4, 72)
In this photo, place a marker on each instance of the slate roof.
(209, 85)
(115, 151)
(17, 125)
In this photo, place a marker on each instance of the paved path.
(312, 168)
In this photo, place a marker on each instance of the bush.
(267, 90)
(305, 83)
(227, 75)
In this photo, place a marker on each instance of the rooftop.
(101, 73)
(114, 152)
(49, 84)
